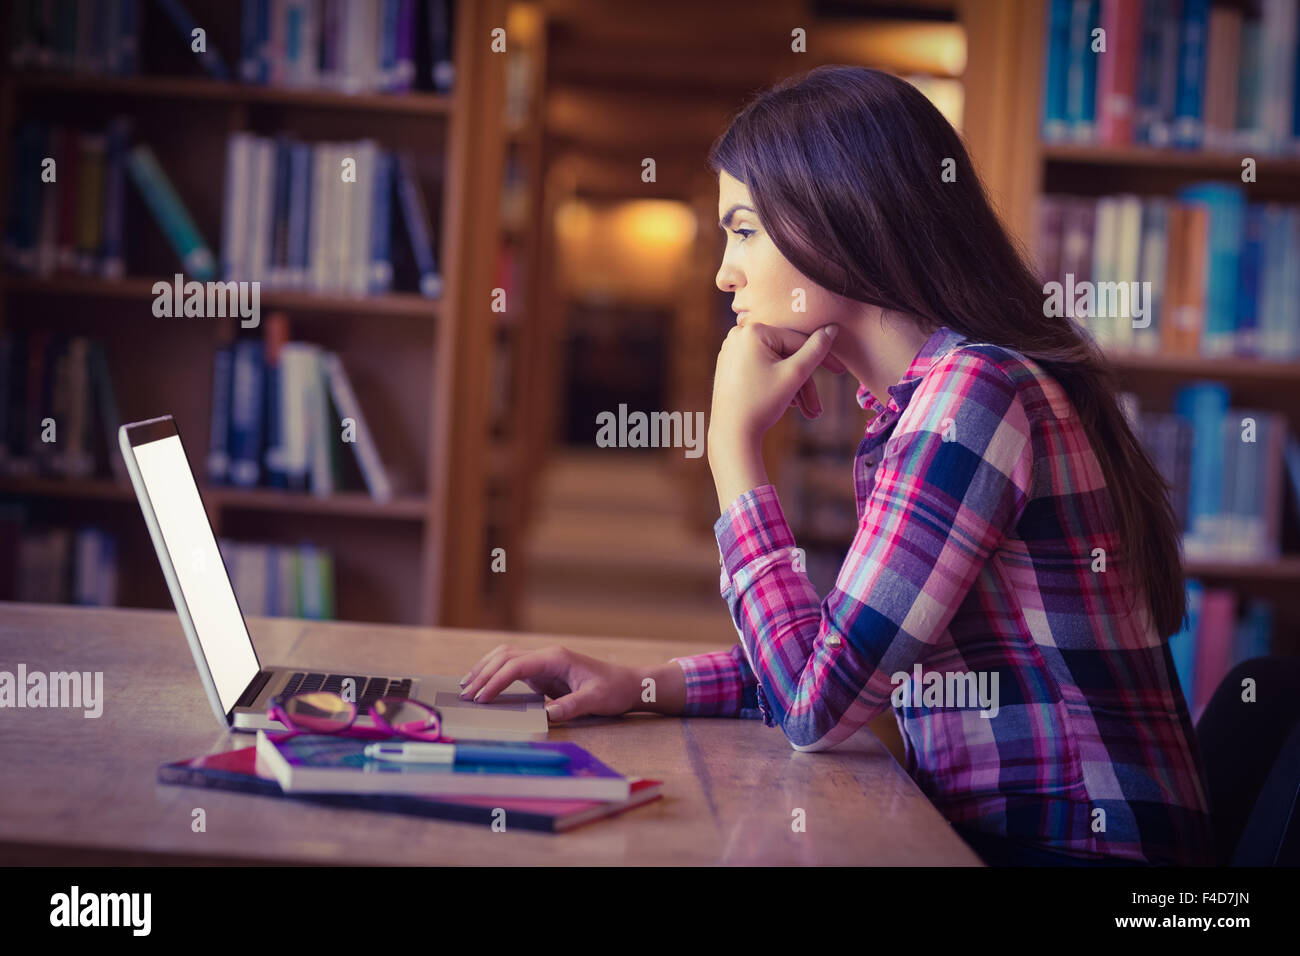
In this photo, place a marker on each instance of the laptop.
(239, 687)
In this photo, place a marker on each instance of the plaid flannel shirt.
(980, 506)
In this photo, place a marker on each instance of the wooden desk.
(79, 790)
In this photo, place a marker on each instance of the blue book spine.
(1254, 634)
(381, 268)
(388, 44)
(246, 393)
(416, 218)
(209, 59)
(293, 39)
(128, 37)
(1204, 405)
(1224, 237)
(219, 437)
(248, 41)
(1276, 327)
(112, 248)
(1182, 646)
(1055, 123)
(1081, 73)
(276, 476)
(299, 213)
(1189, 100)
(1247, 333)
(443, 68)
(278, 271)
(170, 213)
(264, 41)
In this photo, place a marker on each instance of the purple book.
(319, 763)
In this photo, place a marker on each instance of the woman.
(1013, 539)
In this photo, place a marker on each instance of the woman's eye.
(743, 233)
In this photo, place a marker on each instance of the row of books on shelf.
(1228, 470)
(383, 45)
(293, 221)
(99, 37)
(285, 415)
(344, 45)
(1181, 73)
(56, 565)
(272, 580)
(1223, 274)
(1219, 634)
(58, 407)
(325, 217)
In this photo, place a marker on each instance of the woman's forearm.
(669, 690)
(737, 467)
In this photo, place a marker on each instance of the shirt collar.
(939, 344)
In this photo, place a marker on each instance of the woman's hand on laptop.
(578, 684)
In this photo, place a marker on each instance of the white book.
(286, 569)
(367, 155)
(313, 600)
(345, 400)
(1103, 267)
(86, 571)
(318, 264)
(328, 774)
(297, 366)
(1128, 248)
(235, 208)
(1277, 72)
(338, 204)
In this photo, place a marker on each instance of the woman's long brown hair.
(845, 164)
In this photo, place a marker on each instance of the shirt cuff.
(753, 525)
(716, 686)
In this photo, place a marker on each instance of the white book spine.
(345, 399)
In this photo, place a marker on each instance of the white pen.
(414, 752)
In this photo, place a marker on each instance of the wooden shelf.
(200, 90)
(356, 504)
(1195, 366)
(1188, 159)
(395, 304)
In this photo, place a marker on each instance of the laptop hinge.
(255, 688)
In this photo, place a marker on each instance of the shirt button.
(832, 640)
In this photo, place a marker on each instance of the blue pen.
(465, 753)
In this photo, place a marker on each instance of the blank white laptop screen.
(196, 560)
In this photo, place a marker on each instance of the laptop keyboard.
(368, 691)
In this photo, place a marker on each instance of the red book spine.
(1117, 71)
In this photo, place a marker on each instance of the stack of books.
(1222, 272)
(550, 787)
(1173, 73)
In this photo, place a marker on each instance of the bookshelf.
(1090, 169)
(411, 359)
(1002, 119)
(515, 435)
